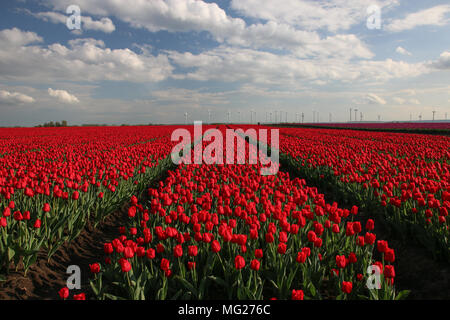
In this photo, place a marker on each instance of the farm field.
(150, 229)
(438, 127)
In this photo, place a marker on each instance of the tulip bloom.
(192, 251)
(151, 253)
(37, 224)
(165, 264)
(46, 207)
(255, 264)
(341, 261)
(95, 268)
(347, 287)
(80, 296)
(258, 253)
(301, 257)
(215, 246)
(389, 271)
(281, 248)
(178, 251)
(64, 293)
(125, 265)
(370, 225)
(297, 294)
(239, 262)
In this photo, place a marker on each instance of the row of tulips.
(225, 231)
(50, 189)
(404, 177)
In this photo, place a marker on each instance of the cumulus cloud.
(237, 64)
(193, 15)
(14, 97)
(157, 15)
(443, 63)
(87, 23)
(311, 14)
(15, 37)
(80, 60)
(403, 51)
(435, 16)
(63, 96)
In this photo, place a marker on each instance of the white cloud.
(443, 62)
(82, 60)
(311, 14)
(16, 37)
(193, 15)
(399, 100)
(87, 23)
(435, 16)
(192, 98)
(63, 96)
(372, 98)
(236, 64)
(157, 15)
(403, 51)
(14, 97)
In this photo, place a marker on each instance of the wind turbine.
(356, 110)
(186, 117)
(350, 114)
(433, 114)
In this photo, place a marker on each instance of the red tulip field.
(320, 228)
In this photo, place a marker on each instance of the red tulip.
(239, 262)
(95, 268)
(80, 296)
(64, 293)
(347, 287)
(255, 264)
(297, 294)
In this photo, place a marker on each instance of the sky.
(165, 61)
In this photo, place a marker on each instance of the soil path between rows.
(44, 279)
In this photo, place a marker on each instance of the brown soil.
(44, 279)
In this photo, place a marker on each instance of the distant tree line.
(63, 123)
